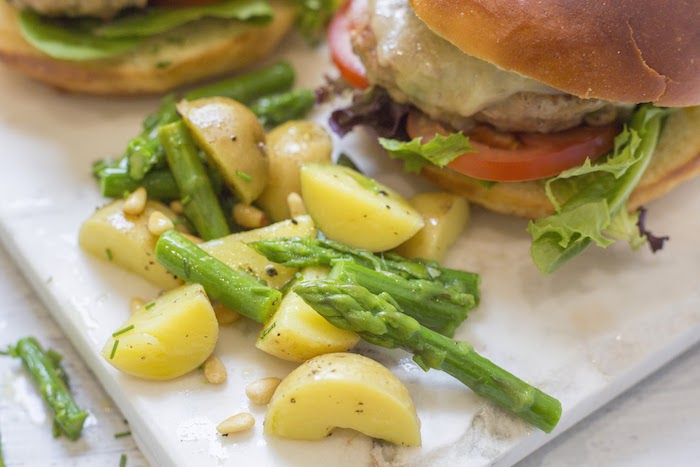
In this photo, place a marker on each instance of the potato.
(125, 240)
(170, 337)
(233, 140)
(233, 250)
(288, 147)
(296, 332)
(343, 390)
(356, 210)
(445, 215)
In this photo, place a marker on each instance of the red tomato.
(349, 64)
(536, 156)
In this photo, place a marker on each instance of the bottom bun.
(189, 53)
(675, 160)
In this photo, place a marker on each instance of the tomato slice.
(349, 64)
(536, 156)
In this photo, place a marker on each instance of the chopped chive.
(163, 64)
(265, 332)
(149, 305)
(123, 434)
(122, 331)
(114, 349)
(243, 176)
(109, 254)
(122, 460)
(186, 200)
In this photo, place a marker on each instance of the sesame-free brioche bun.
(675, 160)
(621, 51)
(190, 53)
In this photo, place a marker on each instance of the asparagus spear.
(159, 183)
(235, 289)
(428, 301)
(201, 205)
(302, 252)
(48, 377)
(279, 108)
(377, 319)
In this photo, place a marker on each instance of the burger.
(126, 47)
(572, 114)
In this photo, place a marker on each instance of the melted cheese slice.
(417, 66)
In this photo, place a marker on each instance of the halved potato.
(343, 390)
(233, 140)
(356, 210)
(445, 216)
(233, 250)
(166, 338)
(289, 146)
(126, 241)
(296, 332)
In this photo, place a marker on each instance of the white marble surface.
(591, 355)
(655, 423)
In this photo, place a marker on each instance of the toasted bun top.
(204, 49)
(623, 50)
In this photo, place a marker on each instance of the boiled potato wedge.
(296, 332)
(445, 215)
(166, 338)
(288, 147)
(233, 250)
(125, 240)
(233, 140)
(356, 210)
(343, 390)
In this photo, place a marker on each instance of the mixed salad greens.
(589, 200)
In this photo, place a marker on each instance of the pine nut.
(177, 207)
(240, 422)
(135, 203)
(135, 304)
(249, 217)
(214, 370)
(261, 391)
(159, 223)
(224, 314)
(296, 205)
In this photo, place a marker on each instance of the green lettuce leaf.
(313, 16)
(440, 150)
(157, 20)
(73, 42)
(89, 39)
(594, 196)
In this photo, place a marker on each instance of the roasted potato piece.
(297, 333)
(343, 390)
(356, 210)
(126, 241)
(233, 140)
(445, 216)
(166, 338)
(288, 147)
(233, 250)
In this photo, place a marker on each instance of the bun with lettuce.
(134, 47)
(573, 114)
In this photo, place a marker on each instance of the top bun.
(208, 48)
(624, 51)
